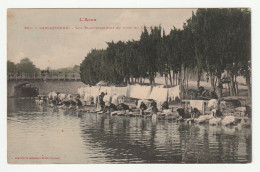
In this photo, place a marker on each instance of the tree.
(148, 51)
(221, 42)
(27, 66)
(11, 67)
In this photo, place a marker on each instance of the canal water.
(37, 135)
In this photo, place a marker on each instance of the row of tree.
(212, 41)
(25, 66)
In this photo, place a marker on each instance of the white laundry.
(213, 103)
(119, 91)
(81, 91)
(114, 100)
(214, 121)
(87, 90)
(94, 91)
(241, 109)
(140, 92)
(62, 96)
(159, 94)
(174, 92)
(201, 119)
(197, 104)
(228, 120)
(107, 100)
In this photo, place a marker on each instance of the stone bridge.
(45, 85)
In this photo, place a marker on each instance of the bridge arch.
(46, 86)
(25, 90)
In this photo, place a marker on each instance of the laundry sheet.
(94, 91)
(174, 92)
(119, 90)
(140, 92)
(81, 91)
(87, 90)
(106, 90)
(107, 100)
(159, 94)
(197, 104)
(213, 103)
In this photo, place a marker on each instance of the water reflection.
(99, 138)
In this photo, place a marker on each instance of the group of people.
(55, 99)
(104, 103)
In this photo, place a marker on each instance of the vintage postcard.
(110, 86)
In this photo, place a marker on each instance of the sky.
(57, 48)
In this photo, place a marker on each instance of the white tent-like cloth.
(159, 94)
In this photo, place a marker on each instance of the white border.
(254, 5)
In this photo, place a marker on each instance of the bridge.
(44, 76)
(62, 82)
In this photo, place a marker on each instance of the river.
(37, 135)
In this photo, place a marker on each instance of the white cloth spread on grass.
(197, 104)
(159, 94)
(213, 103)
(174, 92)
(140, 92)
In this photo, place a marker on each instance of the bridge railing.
(43, 76)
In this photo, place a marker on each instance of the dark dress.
(154, 107)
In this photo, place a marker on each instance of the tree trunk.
(228, 88)
(166, 79)
(151, 80)
(187, 84)
(179, 77)
(236, 86)
(212, 82)
(170, 76)
(184, 77)
(248, 83)
(232, 85)
(173, 79)
(219, 87)
(198, 78)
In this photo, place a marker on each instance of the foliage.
(212, 41)
(25, 66)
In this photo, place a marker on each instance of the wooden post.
(203, 108)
